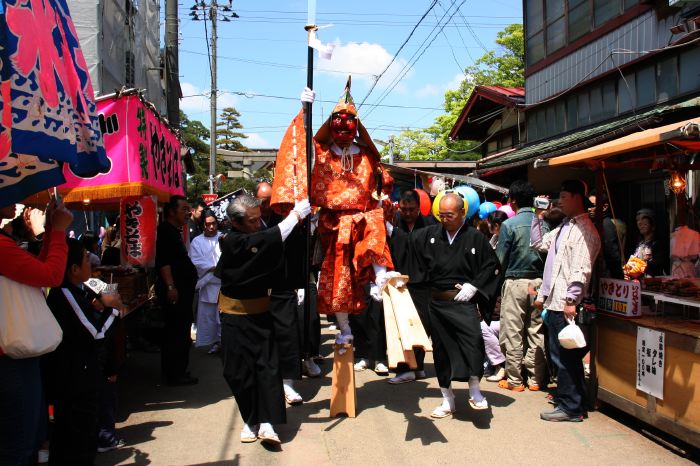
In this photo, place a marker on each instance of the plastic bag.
(27, 326)
(571, 336)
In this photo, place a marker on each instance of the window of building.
(571, 112)
(667, 79)
(690, 70)
(584, 110)
(579, 18)
(532, 127)
(551, 119)
(609, 99)
(506, 141)
(596, 103)
(605, 10)
(627, 93)
(542, 124)
(646, 86)
(556, 25)
(559, 117)
(553, 24)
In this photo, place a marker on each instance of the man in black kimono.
(177, 277)
(74, 371)
(284, 300)
(462, 271)
(408, 222)
(250, 263)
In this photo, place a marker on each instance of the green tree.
(196, 136)
(504, 66)
(226, 130)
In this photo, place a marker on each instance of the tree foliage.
(226, 130)
(197, 136)
(504, 66)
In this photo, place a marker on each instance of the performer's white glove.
(375, 292)
(397, 283)
(307, 96)
(303, 208)
(466, 292)
(389, 229)
(300, 296)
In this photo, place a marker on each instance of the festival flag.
(47, 110)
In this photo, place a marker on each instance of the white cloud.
(255, 141)
(428, 90)
(196, 100)
(363, 61)
(456, 81)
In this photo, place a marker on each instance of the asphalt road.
(200, 425)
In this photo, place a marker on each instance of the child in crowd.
(75, 371)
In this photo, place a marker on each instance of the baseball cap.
(577, 187)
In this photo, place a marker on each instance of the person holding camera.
(523, 268)
(571, 250)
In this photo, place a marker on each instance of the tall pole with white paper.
(310, 28)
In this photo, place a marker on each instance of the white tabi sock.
(266, 427)
(448, 398)
(343, 323)
(474, 389)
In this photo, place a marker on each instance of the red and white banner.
(138, 219)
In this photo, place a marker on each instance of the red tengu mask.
(343, 128)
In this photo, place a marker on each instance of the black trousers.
(285, 320)
(74, 438)
(420, 295)
(251, 367)
(369, 331)
(175, 348)
(571, 380)
(458, 346)
(314, 344)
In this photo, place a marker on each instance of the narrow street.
(199, 425)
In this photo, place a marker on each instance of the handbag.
(571, 336)
(27, 326)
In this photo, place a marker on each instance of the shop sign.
(138, 218)
(209, 198)
(619, 297)
(650, 361)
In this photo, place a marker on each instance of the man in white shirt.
(205, 253)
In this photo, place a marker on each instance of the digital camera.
(541, 203)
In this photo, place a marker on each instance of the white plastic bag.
(27, 326)
(571, 336)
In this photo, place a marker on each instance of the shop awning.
(632, 142)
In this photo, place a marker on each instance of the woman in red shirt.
(20, 390)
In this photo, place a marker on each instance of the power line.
(410, 64)
(432, 5)
(250, 95)
(274, 64)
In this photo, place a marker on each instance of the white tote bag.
(27, 326)
(571, 336)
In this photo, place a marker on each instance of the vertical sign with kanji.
(138, 217)
(651, 352)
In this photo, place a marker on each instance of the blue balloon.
(485, 209)
(472, 198)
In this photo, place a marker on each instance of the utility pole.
(199, 11)
(212, 146)
(172, 79)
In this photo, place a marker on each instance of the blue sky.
(264, 52)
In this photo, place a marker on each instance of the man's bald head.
(451, 211)
(263, 192)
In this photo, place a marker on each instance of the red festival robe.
(351, 229)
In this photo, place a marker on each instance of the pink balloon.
(507, 209)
